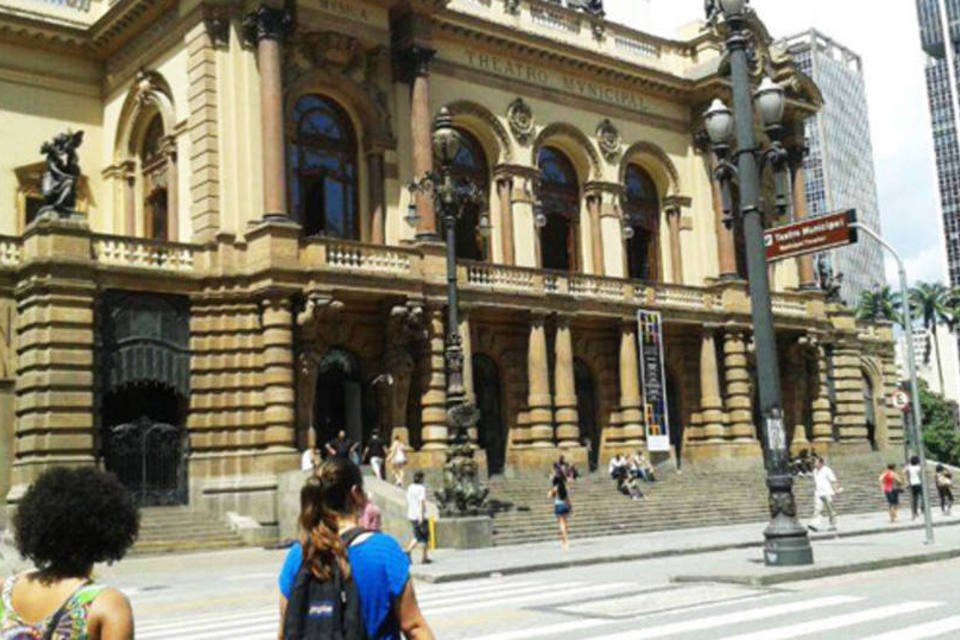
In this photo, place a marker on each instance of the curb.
(796, 575)
(471, 574)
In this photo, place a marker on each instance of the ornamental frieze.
(520, 119)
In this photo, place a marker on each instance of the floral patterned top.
(72, 625)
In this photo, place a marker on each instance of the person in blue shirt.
(331, 503)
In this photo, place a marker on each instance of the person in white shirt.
(825, 488)
(417, 515)
(914, 473)
(308, 461)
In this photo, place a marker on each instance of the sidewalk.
(743, 566)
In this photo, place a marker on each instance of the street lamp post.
(462, 493)
(786, 539)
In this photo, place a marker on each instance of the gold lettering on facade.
(344, 8)
(533, 74)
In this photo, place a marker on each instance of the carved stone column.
(505, 199)
(797, 152)
(739, 402)
(848, 390)
(173, 203)
(433, 402)
(673, 226)
(594, 205)
(266, 27)
(130, 198)
(822, 419)
(631, 415)
(378, 204)
(564, 385)
(539, 399)
(711, 404)
(279, 414)
(414, 66)
(726, 248)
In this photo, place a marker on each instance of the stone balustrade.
(785, 304)
(499, 278)
(140, 253)
(355, 256)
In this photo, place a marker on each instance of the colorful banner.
(653, 380)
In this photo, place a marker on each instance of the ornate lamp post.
(786, 539)
(462, 493)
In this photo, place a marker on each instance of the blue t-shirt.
(380, 569)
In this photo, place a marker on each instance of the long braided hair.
(325, 497)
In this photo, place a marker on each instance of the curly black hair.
(70, 519)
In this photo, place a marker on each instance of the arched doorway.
(560, 198)
(587, 408)
(145, 443)
(491, 429)
(870, 410)
(674, 417)
(339, 400)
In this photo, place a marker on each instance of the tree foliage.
(940, 435)
(879, 304)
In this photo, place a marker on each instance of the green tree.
(930, 301)
(940, 436)
(879, 303)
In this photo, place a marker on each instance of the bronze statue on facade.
(62, 175)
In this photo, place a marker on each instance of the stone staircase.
(177, 529)
(695, 498)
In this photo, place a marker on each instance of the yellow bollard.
(432, 544)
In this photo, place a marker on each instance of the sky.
(886, 36)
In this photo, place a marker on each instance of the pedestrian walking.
(945, 489)
(342, 447)
(66, 522)
(914, 474)
(825, 489)
(397, 457)
(891, 483)
(309, 459)
(417, 515)
(370, 565)
(375, 453)
(562, 507)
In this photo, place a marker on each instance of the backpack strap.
(350, 536)
(64, 610)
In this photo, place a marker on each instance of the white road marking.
(920, 631)
(546, 593)
(820, 625)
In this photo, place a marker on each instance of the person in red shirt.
(891, 484)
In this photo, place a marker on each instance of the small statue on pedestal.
(61, 177)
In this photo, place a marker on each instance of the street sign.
(900, 400)
(811, 235)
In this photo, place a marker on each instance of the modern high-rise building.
(942, 100)
(839, 164)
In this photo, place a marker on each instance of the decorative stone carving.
(217, 22)
(61, 176)
(609, 140)
(322, 310)
(520, 119)
(512, 7)
(266, 23)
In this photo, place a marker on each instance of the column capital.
(267, 23)
(712, 328)
(597, 188)
(413, 62)
(673, 205)
(513, 171)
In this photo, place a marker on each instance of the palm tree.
(931, 301)
(879, 304)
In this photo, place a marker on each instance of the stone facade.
(308, 315)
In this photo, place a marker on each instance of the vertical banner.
(653, 380)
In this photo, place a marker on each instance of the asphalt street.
(232, 594)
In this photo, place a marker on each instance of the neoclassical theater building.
(247, 273)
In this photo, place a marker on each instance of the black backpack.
(325, 610)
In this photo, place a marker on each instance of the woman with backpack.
(67, 521)
(358, 581)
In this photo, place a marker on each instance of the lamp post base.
(793, 551)
(787, 543)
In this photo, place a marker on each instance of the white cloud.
(886, 36)
(926, 265)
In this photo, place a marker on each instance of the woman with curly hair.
(67, 521)
(331, 542)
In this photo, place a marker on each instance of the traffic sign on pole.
(900, 400)
(811, 235)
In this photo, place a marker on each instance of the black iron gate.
(149, 458)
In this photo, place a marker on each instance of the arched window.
(155, 171)
(470, 165)
(642, 213)
(323, 168)
(560, 198)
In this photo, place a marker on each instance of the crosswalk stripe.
(519, 601)
(748, 615)
(837, 622)
(920, 631)
(247, 632)
(206, 619)
(477, 597)
(449, 590)
(190, 626)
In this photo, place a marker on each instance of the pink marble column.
(414, 64)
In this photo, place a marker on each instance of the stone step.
(176, 529)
